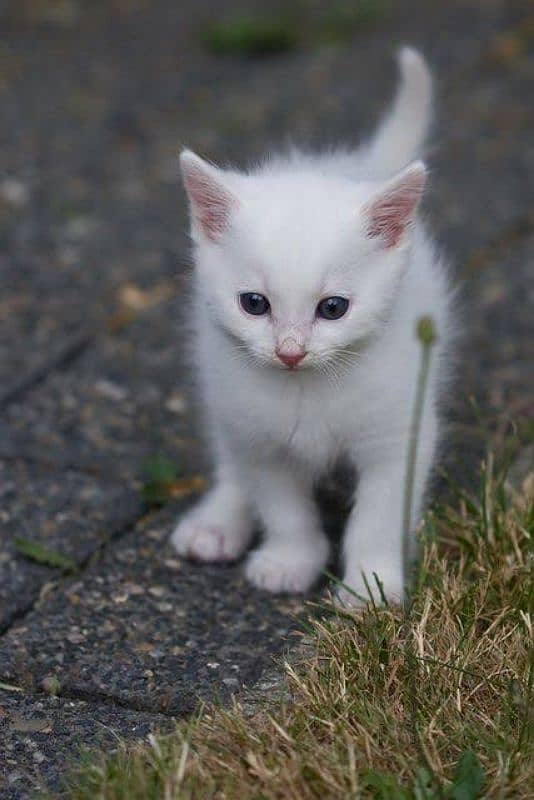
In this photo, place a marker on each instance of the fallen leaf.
(41, 554)
(138, 299)
(120, 319)
(181, 488)
(164, 481)
(133, 300)
(8, 687)
(31, 725)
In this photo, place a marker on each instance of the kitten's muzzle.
(290, 353)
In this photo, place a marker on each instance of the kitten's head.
(298, 266)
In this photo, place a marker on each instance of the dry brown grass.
(430, 702)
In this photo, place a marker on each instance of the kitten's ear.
(392, 210)
(211, 202)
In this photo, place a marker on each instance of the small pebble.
(51, 685)
(75, 637)
(172, 563)
(176, 403)
(110, 390)
(14, 192)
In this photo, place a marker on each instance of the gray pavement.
(96, 99)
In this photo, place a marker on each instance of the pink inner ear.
(390, 214)
(211, 203)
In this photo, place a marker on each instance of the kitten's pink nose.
(290, 353)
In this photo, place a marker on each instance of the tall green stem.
(427, 336)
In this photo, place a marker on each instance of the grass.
(431, 703)
(301, 22)
(250, 35)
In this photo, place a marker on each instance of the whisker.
(323, 369)
(333, 372)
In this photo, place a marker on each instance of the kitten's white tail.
(401, 135)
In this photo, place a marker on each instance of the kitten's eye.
(332, 307)
(254, 303)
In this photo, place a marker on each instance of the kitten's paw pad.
(203, 542)
(280, 572)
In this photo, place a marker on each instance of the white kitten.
(311, 273)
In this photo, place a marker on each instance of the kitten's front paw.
(356, 592)
(203, 538)
(284, 570)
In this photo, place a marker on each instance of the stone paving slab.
(484, 154)
(145, 630)
(80, 166)
(499, 334)
(86, 435)
(39, 325)
(37, 734)
(494, 360)
(124, 400)
(67, 512)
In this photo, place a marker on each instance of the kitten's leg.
(220, 526)
(294, 550)
(373, 542)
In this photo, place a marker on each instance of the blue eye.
(332, 307)
(254, 303)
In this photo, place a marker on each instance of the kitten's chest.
(298, 418)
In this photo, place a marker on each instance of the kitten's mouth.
(292, 366)
(290, 363)
(305, 366)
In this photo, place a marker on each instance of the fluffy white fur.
(297, 229)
